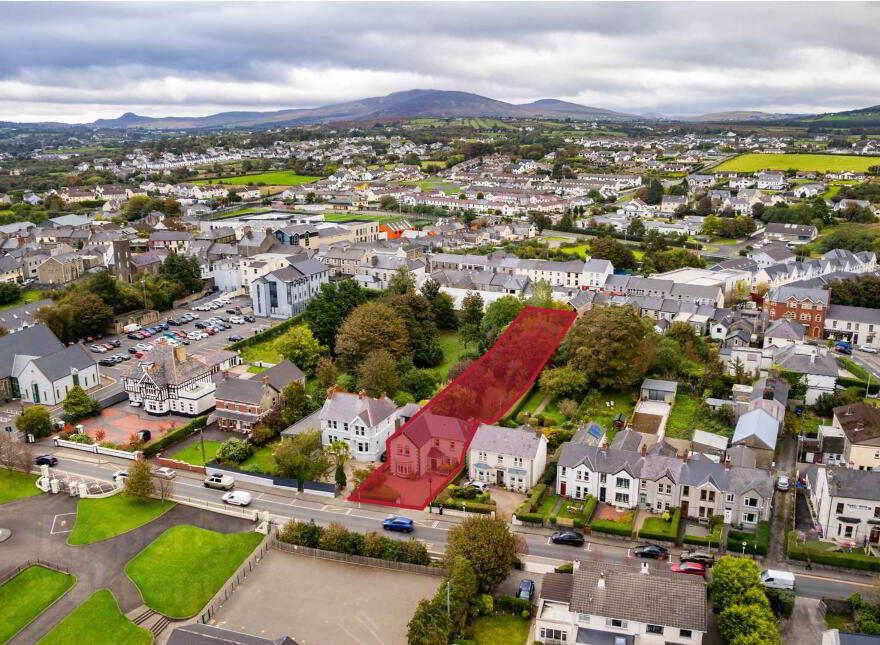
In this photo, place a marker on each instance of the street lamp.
(144, 289)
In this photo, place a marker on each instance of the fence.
(322, 489)
(96, 449)
(358, 559)
(216, 507)
(179, 465)
(235, 580)
(9, 575)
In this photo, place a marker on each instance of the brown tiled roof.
(859, 421)
(557, 586)
(657, 598)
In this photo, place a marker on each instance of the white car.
(165, 473)
(480, 486)
(237, 498)
(867, 349)
(144, 347)
(238, 320)
(194, 335)
(98, 349)
(120, 473)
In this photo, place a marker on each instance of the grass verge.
(16, 485)
(101, 519)
(501, 629)
(27, 595)
(97, 621)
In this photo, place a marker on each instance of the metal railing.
(235, 580)
(9, 575)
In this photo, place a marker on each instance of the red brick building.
(809, 307)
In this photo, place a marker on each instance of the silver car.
(782, 483)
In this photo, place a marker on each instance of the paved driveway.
(40, 527)
(806, 624)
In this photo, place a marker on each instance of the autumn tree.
(487, 544)
(326, 312)
(370, 327)
(302, 457)
(377, 374)
(301, 348)
(620, 255)
(35, 420)
(139, 483)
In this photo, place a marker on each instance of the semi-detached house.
(511, 457)
(846, 503)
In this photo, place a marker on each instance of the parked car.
(106, 362)
(46, 460)
(250, 319)
(200, 325)
(237, 498)
(164, 472)
(115, 343)
(233, 310)
(572, 538)
(234, 338)
(403, 524)
(480, 486)
(654, 551)
(526, 589)
(783, 483)
(776, 579)
(237, 320)
(700, 557)
(220, 481)
(868, 349)
(134, 336)
(98, 349)
(172, 322)
(120, 473)
(132, 350)
(694, 568)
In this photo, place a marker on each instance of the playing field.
(818, 163)
(279, 178)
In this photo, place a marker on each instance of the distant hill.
(737, 115)
(864, 116)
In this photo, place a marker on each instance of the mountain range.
(435, 104)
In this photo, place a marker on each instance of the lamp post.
(144, 290)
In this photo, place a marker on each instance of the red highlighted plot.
(427, 452)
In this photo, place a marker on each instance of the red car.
(139, 355)
(90, 339)
(689, 567)
(180, 334)
(210, 331)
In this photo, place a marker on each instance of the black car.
(133, 350)
(574, 538)
(200, 325)
(526, 589)
(700, 557)
(171, 322)
(115, 343)
(134, 336)
(106, 362)
(223, 319)
(250, 319)
(46, 460)
(235, 338)
(654, 551)
(233, 310)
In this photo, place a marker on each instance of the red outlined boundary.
(482, 394)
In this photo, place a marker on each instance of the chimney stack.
(362, 394)
(601, 584)
(180, 353)
(333, 389)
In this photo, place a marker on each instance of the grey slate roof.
(661, 385)
(627, 439)
(854, 314)
(518, 442)
(58, 364)
(343, 406)
(240, 390)
(33, 341)
(821, 365)
(858, 484)
(658, 598)
(785, 329)
(199, 634)
(783, 293)
(282, 374)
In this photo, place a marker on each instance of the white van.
(776, 579)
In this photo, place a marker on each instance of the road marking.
(548, 542)
(589, 545)
(843, 582)
(629, 553)
(434, 525)
(52, 531)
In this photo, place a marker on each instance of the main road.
(432, 530)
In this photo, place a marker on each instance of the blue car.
(403, 524)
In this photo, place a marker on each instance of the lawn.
(753, 162)
(185, 566)
(501, 629)
(603, 415)
(15, 485)
(453, 348)
(581, 250)
(100, 519)
(835, 620)
(97, 621)
(256, 369)
(278, 178)
(192, 454)
(683, 416)
(28, 296)
(265, 352)
(27, 595)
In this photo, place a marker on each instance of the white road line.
(434, 525)
(548, 542)
(589, 544)
(52, 531)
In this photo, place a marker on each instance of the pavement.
(806, 624)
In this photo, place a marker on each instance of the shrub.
(615, 528)
(301, 533)
(81, 438)
(565, 568)
(174, 436)
(756, 544)
(234, 451)
(781, 601)
(535, 496)
(467, 506)
(531, 518)
(79, 405)
(267, 334)
(512, 605)
(262, 434)
(549, 475)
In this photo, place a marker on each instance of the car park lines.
(65, 525)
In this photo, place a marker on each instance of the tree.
(14, 454)
(90, 314)
(35, 420)
(370, 327)
(301, 348)
(731, 578)
(542, 295)
(183, 270)
(330, 307)
(377, 374)
(402, 282)
(620, 255)
(611, 346)
(139, 483)
(672, 259)
(635, 228)
(79, 405)
(419, 382)
(421, 330)
(326, 373)
(749, 620)
(652, 193)
(302, 458)
(443, 307)
(471, 317)
(295, 403)
(564, 382)
(429, 625)
(235, 451)
(9, 292)
(430, 289)
(462, 590)
(500, 313)
(487, 544)
(340, 453)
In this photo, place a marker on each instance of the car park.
(526, 589)
(46, 460)
(700, 557)
(654, 551)
(200, 325)
(143, 347)
(134, 336)
(106, 362)
(237, 498)
(572, 538)
(250, 319)
(237, 320)
(402, 524)
(164, 472)
(115, 343)
(220, 481)
(693, 568)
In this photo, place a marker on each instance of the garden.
(610, 520)
(27, 595)
(97, 621)
(185, 566)
(664, 527)
(543, 508)
(101, 519)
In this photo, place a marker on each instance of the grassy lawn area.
(753, 162)
(453, 348)
(278, 178)
(603, 415)
(192, 454)
(26, 596)
(834, 620)
(346, 217)
(28, 296)
(683, 416)
(97, 621)
(810, 423)
(100, 519)
(265, 352)
(185, 566)
(501, 629)
(16, 485)
(256, 369)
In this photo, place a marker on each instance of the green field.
(28, 296)
(185, 566)
(15, 485)
(27, 595)
(347, 217)
(100, 519)
(453, 348)
(97, 621)
(753, 162)
(278, 178)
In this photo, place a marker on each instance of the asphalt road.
(869, 361)
(432, 529)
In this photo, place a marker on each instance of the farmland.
(278, 178)
(808, 162)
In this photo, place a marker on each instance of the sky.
(76, 62)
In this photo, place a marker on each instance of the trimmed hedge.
(513, 605)
(845, 382)
(267, 334)
(175, 435)
(549, 475)
(756, 544)
(656, 528)
(470, 507)
(714, 537)
(615, 528)
(565, 568)
(531, 518)
(834, 559)
(781, 601)
(526, 511)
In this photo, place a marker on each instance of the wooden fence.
(359, 559)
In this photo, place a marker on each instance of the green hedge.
(781, 601)
(267, 334)
(855, 369)
(565, 568)
(797, 551)
(549, 475)
(530, 505)
(656, 528)
(615, 528)
(845, 382)
(714, 537)
(531, 518)
(513, 605)
(756, 544)
(175, 435)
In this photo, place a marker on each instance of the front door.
(499, 477)
(36, 393)
(875, 534)
(602, 494)
(562, 489)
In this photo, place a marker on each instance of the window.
(685, 490)
(602, 478)
(622, 482)
(848, 531)
(553, 634)
(621, 498)
(751, 501)
(750, 518)
(644, 484)
(839, 508)
(730, 497)
(615, 622)
(684, 633)
(654, 629)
